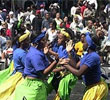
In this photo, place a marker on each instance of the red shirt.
(67, 25)
(82, 9)
(8, 32)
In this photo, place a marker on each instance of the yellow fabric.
(5, 74)
(12, 66)
(98, 91)
(79, 48)
(8, 87)
(11, 97)
(65, 33)
(24, 36)
(57, 97)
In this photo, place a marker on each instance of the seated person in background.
(79, 46)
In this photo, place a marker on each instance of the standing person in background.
(43, 10)
(83, 7)
(4, 14)
(46, 22)
(54, 8)
(93, 1)
(88, 14)
(51, 33)
(37, 22)
(12, 19)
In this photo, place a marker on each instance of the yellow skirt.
(9, 86)
(98, 91)
(6, 73)
(11, 97)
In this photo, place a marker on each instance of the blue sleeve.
(23, 58)
(38, 62)
(90, 61)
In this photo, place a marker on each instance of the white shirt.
(93, 1)
(51, 36)
(74, 27)
(58, 21)
(73, 10)
(107, 8)
(20, 15)
(32, 17)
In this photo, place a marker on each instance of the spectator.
(89, 28)
(3, 38)
(8, 31)
(76, 25)
(58, 20)
(4, 14)
(37, 22)
(51, 33)
(43, 10)
(7, 53)
(88, 14)
(79, 46)
(65, 23)
(12, 19)
(46, 21)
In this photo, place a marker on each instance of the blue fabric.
(55, 47)
(92, 60)
(63, 53)
(19, 59)
(15, 46)
(89, 41)
(35, 61)
(39, 37)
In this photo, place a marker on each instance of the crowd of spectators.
(82, 19)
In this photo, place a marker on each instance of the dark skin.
(83, 69)
(49, 69)
(25, 44)
(61, 41)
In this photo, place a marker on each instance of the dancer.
(96, 88)
(63, 81)
(7, 88)
(36, 69)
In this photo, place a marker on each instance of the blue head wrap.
(90, 42)
(39, 37)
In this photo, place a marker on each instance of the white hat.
(11, 13)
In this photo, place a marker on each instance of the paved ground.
(76, 94)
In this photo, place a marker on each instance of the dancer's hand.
(46, 49)
(63, 61)
(69, 46)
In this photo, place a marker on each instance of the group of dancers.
(39, 66)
